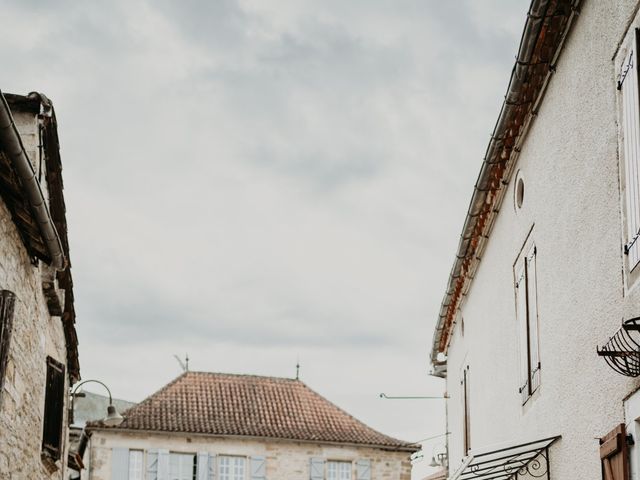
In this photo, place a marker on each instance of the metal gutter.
(14, 149)
(547, 25)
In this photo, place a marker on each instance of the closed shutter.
(466, 421)
(523, 333)
(119, 464)
(55, 394)
(614, 454)
(363, 470)
(163, 464)
(258, 468)
(202, 466)
(7, 301)
(628, 85)
(212, 467)
(532, 308)
(317, 469)
(152, 464)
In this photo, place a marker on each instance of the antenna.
(183, 365)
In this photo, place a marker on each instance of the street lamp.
(113, 418)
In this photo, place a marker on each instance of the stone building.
(205, 426)
(38, 345)
(538, 334)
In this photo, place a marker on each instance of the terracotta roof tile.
(249, 405)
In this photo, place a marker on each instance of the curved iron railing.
(622, 351)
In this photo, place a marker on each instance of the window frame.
(231, 475)
(133, 452)
(338, 464)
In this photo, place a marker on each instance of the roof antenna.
(298, 368)
(183, 365)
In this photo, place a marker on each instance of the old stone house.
(205, 426)
(38, 345)
(538, 333)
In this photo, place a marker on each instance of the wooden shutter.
(532, 320)
(53, 409)
(317, 469)
(363, 470)
(614, 454)
(466, 420)
(212, 466)
(163, 464)
(202, 466)
(7, 301)
(628, 85)
(523, 331)
(152, 464)
(119, 463)
(258, 468)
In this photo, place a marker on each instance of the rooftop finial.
(298, 369)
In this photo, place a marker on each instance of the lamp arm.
(75, 389)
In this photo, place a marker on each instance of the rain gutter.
(512, 125)
(14, 149)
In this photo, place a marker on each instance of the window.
(7, 300)
(182, 466)
(630, 148)
(136, 465)
(53, 409)
(527, 318)
(231, 468)
(338, 470)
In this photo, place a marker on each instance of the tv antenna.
(184, 365)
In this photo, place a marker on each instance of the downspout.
(14, 149)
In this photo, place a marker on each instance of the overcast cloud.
(256, 182)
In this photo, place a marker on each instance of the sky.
(259, 183)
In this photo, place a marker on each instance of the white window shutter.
(532, 304)
(202, 466)
(631, 139)
(163, 464)
(258, 468)
(119, 463)
(317, 469)
(212, 467)
(521, 317)
(152, 464)
(363, 469)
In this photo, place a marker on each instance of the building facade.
(205, 426)
(38, 345)
(540, 370)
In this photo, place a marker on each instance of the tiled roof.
(249, 405)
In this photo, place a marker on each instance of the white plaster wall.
(572, 202)
(284, 459)
(35, 335)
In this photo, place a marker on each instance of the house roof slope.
(252, 406)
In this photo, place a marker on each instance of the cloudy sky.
(253, 182)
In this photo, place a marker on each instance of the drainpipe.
(14, 149)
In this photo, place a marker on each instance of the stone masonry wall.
(285, 459)
(35, 335)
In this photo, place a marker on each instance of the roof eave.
(547, 26)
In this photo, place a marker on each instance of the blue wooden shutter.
(212, 466)
(521, 317)
(202, 466)
(163, 464)
(258, 468)
(152, 464)
(317, 469)
(119, 464)
(7, 302)
(363, 470)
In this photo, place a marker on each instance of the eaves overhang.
(547, 26)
